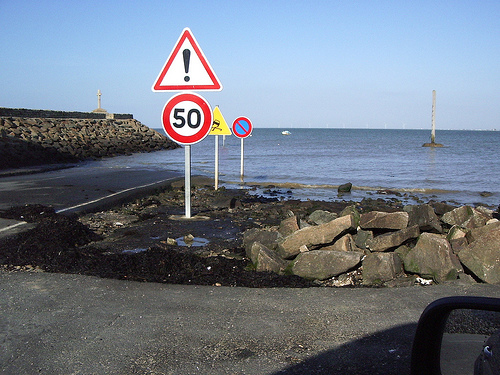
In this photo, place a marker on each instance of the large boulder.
(476, 233)
(267, 238)
(345, 188)
(384, 220)
(314, 236)
(381, 267)
(323, 264)
(288, 226)
(432, 257)
(440, 208)
(424, 216)
(391, 240)
(457, 238)
(482, 256)
(466, 217)
(344, 243)
(362, 237)
(319, 217)
(265, 259)
(351, 210)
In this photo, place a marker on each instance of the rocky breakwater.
(36, 141)
(420, 244)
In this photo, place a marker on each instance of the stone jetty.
(26, 140)
(421, 243)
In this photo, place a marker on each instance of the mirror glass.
(471, 343)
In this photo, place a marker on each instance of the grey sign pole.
(187, 180)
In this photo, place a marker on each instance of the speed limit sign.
(187, 118)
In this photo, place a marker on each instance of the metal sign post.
(219, 127)
(187, 119)
(242, 153)
(187, 180)
(242, 128)
(216, 162)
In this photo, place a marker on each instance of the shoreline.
(303, 192)
(144, 240)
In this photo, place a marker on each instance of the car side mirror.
(457, 335)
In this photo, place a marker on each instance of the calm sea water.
(311, 163)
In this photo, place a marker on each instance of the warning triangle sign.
(219, 125)
(187, 68)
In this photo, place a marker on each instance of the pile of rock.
(422, 242)
(32, 141)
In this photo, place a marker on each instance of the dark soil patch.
(63, 244)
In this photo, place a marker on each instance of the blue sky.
(363, 64)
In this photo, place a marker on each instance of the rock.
(224, 201)
(401, 281)
(482, 256)
(466, 217)
(345, 188)
(458, 244)
(188, 239)
(344, 243)
(402, 251)
(351, 210)
(319, 217)
(476, 233)
(424, 216)
(432, 257)
(486, 211)
(288, 226)
(362, 237)
(265, 259)
(303, 224)
(321, 265)
(267, 238)
(440, 208)
(392, 239)
(455, 232)
(384, 220)
(171, 241)
(323, 234)
(457, 238)
(381, 267)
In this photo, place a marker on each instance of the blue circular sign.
(242, 127)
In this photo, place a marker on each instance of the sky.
(353, 64)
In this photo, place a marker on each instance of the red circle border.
(205, 128)
(249, 122)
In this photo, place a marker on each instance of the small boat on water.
(286, 132)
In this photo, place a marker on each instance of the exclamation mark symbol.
(186, 54)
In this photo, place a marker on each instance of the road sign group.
(187, 117)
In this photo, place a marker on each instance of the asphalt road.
(72, 324)
(78, 189)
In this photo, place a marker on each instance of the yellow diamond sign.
(219, 126)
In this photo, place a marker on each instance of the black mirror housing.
(426, 349)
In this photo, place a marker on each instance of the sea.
(311, 163)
